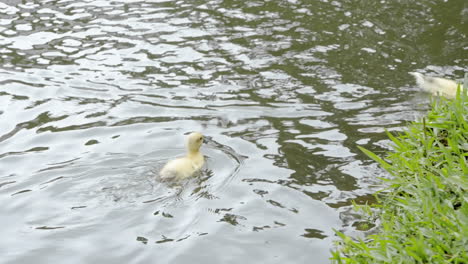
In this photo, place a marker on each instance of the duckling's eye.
(200, 139)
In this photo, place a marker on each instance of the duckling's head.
(194, 142)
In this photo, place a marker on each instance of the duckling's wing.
(169, 172)
(179, 168)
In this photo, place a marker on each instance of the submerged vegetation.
(423, 215)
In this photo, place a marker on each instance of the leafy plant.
(424, 211)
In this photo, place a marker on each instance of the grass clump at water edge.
(424, 212)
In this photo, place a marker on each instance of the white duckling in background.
(437, 86)
(186, 166)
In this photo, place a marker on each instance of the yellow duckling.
(437, 86)
(185, 167)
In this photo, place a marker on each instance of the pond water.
(96, 95)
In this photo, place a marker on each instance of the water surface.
(95, 96)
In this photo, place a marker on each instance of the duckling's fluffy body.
(437, 86)
(186, 166)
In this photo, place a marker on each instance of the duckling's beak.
(206, 139)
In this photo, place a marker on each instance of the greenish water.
(95, 96)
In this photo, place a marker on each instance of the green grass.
(423, 214)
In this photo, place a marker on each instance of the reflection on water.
(96, 95)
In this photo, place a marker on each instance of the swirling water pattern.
(96, 95)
